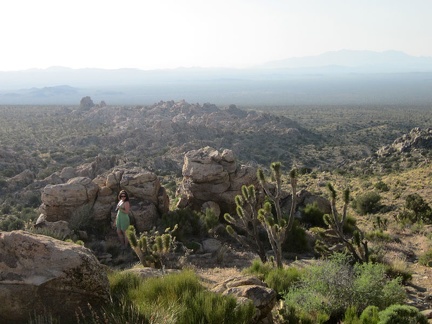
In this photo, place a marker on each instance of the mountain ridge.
(378, 78)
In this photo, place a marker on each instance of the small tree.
(247, 220)
(151, 247)
(276, 228)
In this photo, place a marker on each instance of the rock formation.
(212, 180)
(42, 275)
(253, 289)
(416, 139)
(85, 198)
(211, 176)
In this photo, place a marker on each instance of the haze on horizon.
(192, 33)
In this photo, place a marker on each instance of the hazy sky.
(151, 34)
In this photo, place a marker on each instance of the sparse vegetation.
(327, 290)
(175, 298)
(392, 195)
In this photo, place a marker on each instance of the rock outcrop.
(213, 176)
(212, 180)
(62, 201)
(416, 139)
(42, 275)
(94, 199)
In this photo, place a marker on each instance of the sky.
(165, 34)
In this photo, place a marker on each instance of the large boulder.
(210, 175)
(250, 288)
(42, 275)
(59, 202)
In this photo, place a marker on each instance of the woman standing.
(122, 219)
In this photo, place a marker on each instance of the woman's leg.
(121, 236)
(126, 241)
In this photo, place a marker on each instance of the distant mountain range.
(357, 61)
(342, 77)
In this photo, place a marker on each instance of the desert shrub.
(282, 280)
(313, 216)
(350, 225)
(426, 258)
(381, 186)
(334, 285)
(279, 279)
(11, 223)
(420, 208)
(189, 223)
(296, 240)
(367, 203)
(259, 269)
(378, 235)
(350, 316)
(402, 314)
(33, 201)
(372, 287)
(370, 315)
(396, 267)
(289, 314)
(6, 209)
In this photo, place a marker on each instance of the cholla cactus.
(247, 220)
(152, 247)
(277, 228)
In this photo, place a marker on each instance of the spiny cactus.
(277, 228)
(357, 246)
(247, 220)
(151, 247)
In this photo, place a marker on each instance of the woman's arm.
(126, 207)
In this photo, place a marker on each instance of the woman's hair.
(123, 192)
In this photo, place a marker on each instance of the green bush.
(11, 223)
(367, 203)
(381, 186)
(296, 239)
(372, 287)
(312, 215)
(351, 316)
(189, 223)
(420, 208)
(289, 314)
(402, 314)
(370, 315)
(259, 269)
(334, 285)
(350, 225)
(6, 209)
(282, 280)
(279, 279)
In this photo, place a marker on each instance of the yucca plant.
(247, 221)
(276, 227)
